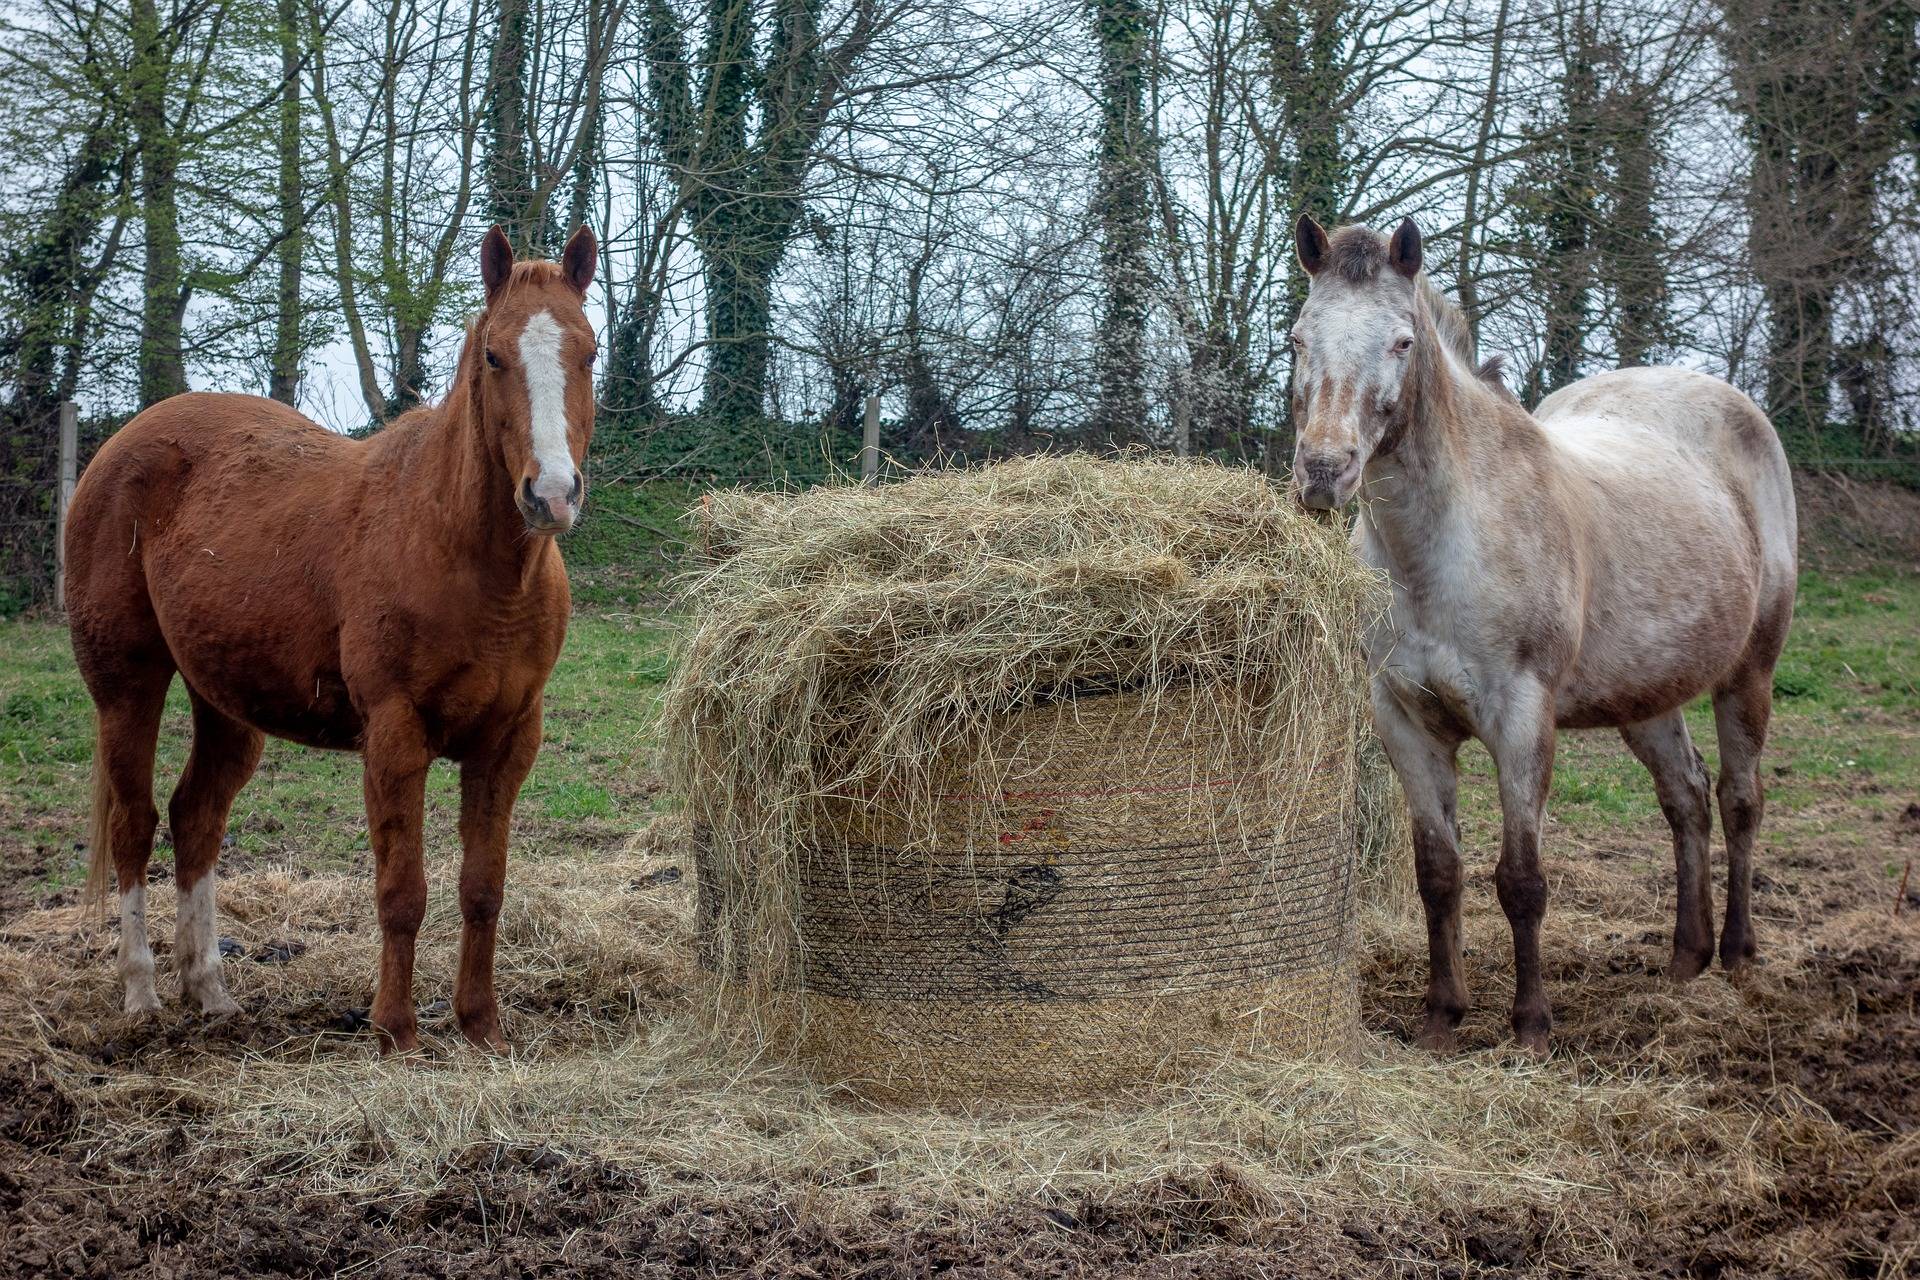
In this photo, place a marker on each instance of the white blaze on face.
(547, 402)
(1350, 333)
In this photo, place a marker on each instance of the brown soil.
(1815, 1057)
(1828, 1067)
(1849, 525)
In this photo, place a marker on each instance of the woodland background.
(1022, 223)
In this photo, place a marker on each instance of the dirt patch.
(1847, 526)
(520, 1219)
(1785, 1110)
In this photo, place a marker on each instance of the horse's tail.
(99, 828)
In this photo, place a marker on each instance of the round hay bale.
(1025, 781)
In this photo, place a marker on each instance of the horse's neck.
(469, 496)
(1432, 500)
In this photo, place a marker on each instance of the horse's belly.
(1629, 673)
(326, 720)
(302, 702)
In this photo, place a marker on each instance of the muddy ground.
(1836, 1109)
(1812, 1062)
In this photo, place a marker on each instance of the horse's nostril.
(579, 483)
(526, 492)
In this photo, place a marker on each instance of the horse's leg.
(129, 704)
(488, 785)
(1522, 745)
(1429, 779)
(224, 755)
(1680, 780)
(395, 780)
(1741, 709)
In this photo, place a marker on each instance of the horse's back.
(1695, 412)
(1660, 428)
(1688, 502)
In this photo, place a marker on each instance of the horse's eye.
(591, 357)
(1404, 345)
(1299, 343)
(493, 361)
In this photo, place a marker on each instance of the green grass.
(626, 548)
(592, 782)
(1847, 722)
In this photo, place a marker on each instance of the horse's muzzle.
(1326, 483)
(550, 512)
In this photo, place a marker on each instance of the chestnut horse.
(1598, 563)
(400, 596)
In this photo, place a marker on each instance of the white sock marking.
(196, 948)
(136, 957)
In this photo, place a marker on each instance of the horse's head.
(1352, 346)
(534, 389)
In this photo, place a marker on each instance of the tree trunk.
(409, 368)
(162, 363)
(739, 313)
(1631, 247)
(284, 381)
(627, 390)
(50, 278)
(1124, 31)
(509, 182)
(1471, 237)
(1303, 46)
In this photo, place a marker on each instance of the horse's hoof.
(1530, 1032)
(484, 1035)
(1685, 966)
(395, 1044)
(212, 998)
(1533, 1044)
(140, 1004)
(488, 1041)
(1437, 1036)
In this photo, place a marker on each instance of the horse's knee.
(1522, 888)
(139, 819)
(1436, 865)
(480, 905)
(1741, 802)
(402, 908)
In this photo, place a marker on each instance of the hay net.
(866, 644)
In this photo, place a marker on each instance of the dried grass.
(615, 1062)
(863, 642)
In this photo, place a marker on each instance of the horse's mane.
(1360, 255)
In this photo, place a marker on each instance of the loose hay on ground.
(617, 1064)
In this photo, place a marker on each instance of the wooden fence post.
(870, 442)
(69, 475)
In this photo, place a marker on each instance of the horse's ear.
(496, 261)
(1310, 238)
(577, 262)
(1403, 251)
